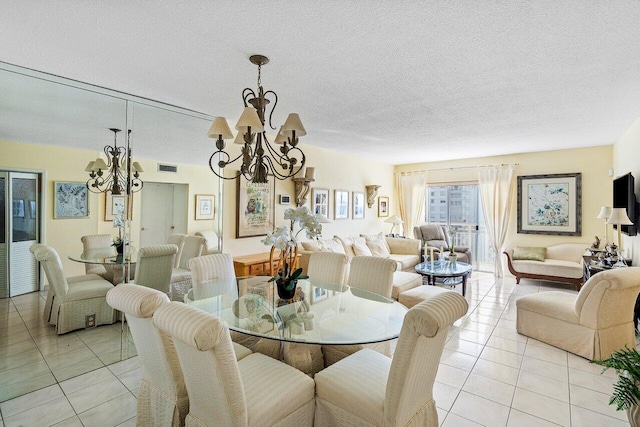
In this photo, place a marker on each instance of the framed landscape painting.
(255, 212)
(71, 200)
(550, 204)
(358, 205)
(341, 204)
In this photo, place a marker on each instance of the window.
(459, 208)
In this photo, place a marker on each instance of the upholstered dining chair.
(593, 324)
(73, 301)
(368, 388)
(208, 267)
(254, 391)
(177, 239)
(93, 242)
(162, 395)
(211, 240)
(51, 293)
(181, 276)
(328, 267)
(154, 267)
(374, 274)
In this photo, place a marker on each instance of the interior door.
(163, 212)
(24, 201)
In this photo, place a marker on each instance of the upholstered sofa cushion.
(311, 246)
(405, 261)
(332, 245)
(403, 281)
(88, 289)
(416, 295)
(361, 249)
(369, 238)
(550, 267)
(529, 253)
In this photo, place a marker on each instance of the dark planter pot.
(119, 249)
(284, 293)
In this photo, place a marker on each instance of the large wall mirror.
(52, 127)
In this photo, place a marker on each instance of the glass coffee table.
(453, 273)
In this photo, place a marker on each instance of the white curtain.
(411, 189)
(496, 185)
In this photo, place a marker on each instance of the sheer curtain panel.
(496, 185)
(411, 188)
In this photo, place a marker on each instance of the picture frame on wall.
(550, 204)
(255, 209)
(71, 200)
(320, 201)
(340, 204)
(205, 206)
(358, 205)
(115, 204)
(383, 206)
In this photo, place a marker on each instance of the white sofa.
(562, 263)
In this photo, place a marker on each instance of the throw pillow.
(529, 253)
(377, 237)
(361, 249)
(311, 246)
(378, 249)
(332, 245)
(347, 244)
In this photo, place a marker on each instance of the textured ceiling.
(398, 82)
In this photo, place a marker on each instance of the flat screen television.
(624, 197)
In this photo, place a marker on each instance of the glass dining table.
(321, 313)
(117, 265)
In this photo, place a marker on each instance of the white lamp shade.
(220, 129)
(239, 139)
(99, 164)
(619, 217)
(323, 219)
(605, 212)
(249, 119)
(136, 167)
(280, 137)
(89, 167)
(395, 220)
(293, 123)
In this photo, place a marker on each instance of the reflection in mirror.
(53, 127)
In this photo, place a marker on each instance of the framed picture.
(358, 205)
(71, 200)
(285, 199)
(383, 206)
(341, 204)
(115, 205)
(318, 294)
(205, 206)
(320, 201)
(550, 204)
(255, 212)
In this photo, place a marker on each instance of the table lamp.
(605, 213)
(322, 219)
(395, 220)
(619, 217)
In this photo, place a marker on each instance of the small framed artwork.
(550, 204)
(358, 205)
(205, 206)
(71, 200)
(318, 294)
(285, 199)
(320, 202)
(341, 204)
(115, 205)
(383, 206)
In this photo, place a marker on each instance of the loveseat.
(406, 252)
(556, 263)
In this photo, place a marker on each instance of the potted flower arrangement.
(118, 243)
(626, 391)
(286, 240)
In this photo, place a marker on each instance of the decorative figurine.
(596, 243)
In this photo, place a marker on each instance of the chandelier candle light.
(259, 158)
(123, 174)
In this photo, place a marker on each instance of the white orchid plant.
(285, 239)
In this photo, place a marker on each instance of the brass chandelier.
(259, 157)
(123, 175)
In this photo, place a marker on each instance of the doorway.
(20, 199)
(163, 212)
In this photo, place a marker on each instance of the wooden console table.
(252, 265)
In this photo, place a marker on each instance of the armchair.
(435, 236)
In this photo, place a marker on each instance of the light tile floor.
(488, 376)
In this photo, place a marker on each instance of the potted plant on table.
(118, 243)
(286, 240)
(626, 391)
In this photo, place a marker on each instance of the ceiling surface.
(396, 82)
